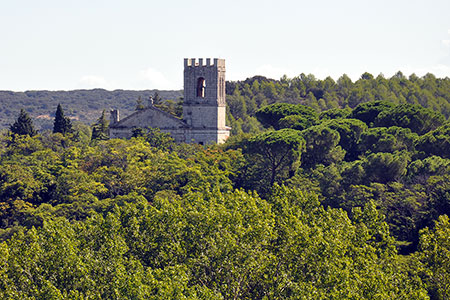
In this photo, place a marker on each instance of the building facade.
(204, 108)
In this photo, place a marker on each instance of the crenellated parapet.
(200, 62)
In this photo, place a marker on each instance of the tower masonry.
(204, 108)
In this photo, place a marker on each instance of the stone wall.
(204, 108)
(150, 117)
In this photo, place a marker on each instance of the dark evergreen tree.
(157, 100)
(61, 124)
(140, 104)
(100, 130)
(23, 125)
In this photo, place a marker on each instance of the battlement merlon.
(193, 62)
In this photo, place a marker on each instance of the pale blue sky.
(137, 44)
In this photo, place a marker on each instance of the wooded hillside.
(81, 105)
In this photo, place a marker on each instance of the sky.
(140, 44)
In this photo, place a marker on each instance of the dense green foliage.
(155, 137)
(348, 203)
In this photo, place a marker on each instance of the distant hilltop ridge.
(83, 105)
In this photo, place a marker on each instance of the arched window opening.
(201, 85)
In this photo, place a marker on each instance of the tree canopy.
(415, 117)
(272, 115)
(341, 192)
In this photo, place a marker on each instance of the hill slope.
(83, 105)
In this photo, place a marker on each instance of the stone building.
(204, 108)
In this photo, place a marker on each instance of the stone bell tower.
(204, 106)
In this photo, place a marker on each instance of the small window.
(201, 85)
